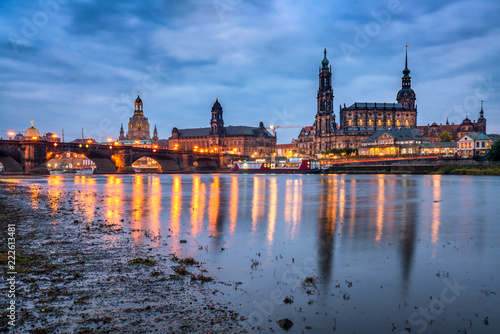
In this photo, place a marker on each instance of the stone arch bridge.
(31, 157)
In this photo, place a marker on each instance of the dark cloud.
(83, 66)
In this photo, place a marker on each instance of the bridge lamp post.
(11, 134)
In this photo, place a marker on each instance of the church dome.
(138, 99)
(31, 133)
(405, 93)
(216, 105)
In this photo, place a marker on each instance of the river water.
(384, 252)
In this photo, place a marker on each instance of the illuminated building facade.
(472, 144)
(244, 140)
(393, 142)
(358, 121)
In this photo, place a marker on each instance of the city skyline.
(81, 64)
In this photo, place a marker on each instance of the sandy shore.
(81, 275)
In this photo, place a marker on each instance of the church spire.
(406, 95)
(481, 118)
(325, 61)
(122, 133)
(406, 71)
(155, 135)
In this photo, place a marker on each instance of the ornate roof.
(31, 132)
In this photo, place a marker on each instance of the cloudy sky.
(73, 64)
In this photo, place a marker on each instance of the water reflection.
(213, 207)
(273, 201)
(258, 201)
(327, 221)
(233, 206)
(380, 208)
(362, 228)
(198, 199)
(408, 225)
(436, 208)
(176, 205)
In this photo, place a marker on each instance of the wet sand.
(88, 276)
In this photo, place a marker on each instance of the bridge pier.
(35, 159)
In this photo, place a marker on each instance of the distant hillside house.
(393, 142)
(244, 140)
(456, 131)
(473, 144)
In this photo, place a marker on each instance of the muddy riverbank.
(78, 273)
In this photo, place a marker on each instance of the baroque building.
(358, 121)
(244, 140)
(138, 125)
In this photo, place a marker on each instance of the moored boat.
(288, 166)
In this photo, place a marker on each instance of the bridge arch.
(206, 164)
(103, 163)
(11, 161)
(167, 164)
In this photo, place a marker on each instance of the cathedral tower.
(406, 95)
(216, 122)
(325, 119)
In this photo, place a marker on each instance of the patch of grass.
(147, 261)
(201, 277)
(189, 261)
(255, 263)
(309, 280)
(181, 270)
(155, 273)
(469, 170)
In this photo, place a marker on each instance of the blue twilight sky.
(73, 64)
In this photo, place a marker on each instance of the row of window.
(379, 122)
(478, 144)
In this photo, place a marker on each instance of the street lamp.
(11, 133)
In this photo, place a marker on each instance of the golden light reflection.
(54, 191)
(155, 203)
(380, 208)
(436, 208)
(113, 198)
(341, 201)
(258, 201)
(328, 206)
(35, 194)
(352, 202)
(288, 201)
(137, 201)
(213, 205)
(233, 204)
(296, 207)
(176, 205)
(273, 201)
(198, 199)
(85, 199)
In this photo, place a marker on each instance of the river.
(383, 252)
